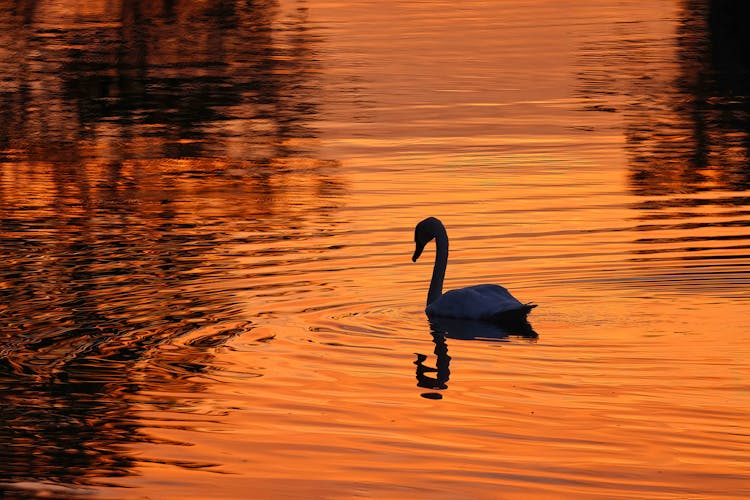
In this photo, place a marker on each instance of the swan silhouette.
(479, 302)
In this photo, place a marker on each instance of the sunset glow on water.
(207, 216)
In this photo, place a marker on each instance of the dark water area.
(206, 212)
(685, 129)
(156, 80)
(121, 126)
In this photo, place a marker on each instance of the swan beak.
(417, 253)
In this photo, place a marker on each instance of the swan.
(479, 302)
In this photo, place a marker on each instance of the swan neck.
(441, 263)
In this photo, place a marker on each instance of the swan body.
(482, 302)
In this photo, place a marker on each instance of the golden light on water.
(207, 214)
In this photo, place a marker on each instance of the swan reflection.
(469, 329)
(442, 367)
(441, 329)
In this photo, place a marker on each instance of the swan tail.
(514, 314)
(516, 321)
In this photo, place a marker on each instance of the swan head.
(424, 233)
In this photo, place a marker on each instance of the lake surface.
(207, 214)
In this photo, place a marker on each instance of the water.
(207, 214)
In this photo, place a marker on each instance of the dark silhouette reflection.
(686, 106)
(730, 45)
(155, 80)
(693, 134)
(144, 148)
(442, 367)
(466, 329)
(74, 427)
(461, 329)
(685, 103)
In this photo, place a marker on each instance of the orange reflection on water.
(207, 217)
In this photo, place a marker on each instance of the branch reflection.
(685, 105)
(144, 146)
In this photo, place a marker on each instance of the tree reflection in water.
(689, 146)
(693, 135)
(686, 115)
(129, 140)
(685, 106)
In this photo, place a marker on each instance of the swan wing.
(476, 302)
